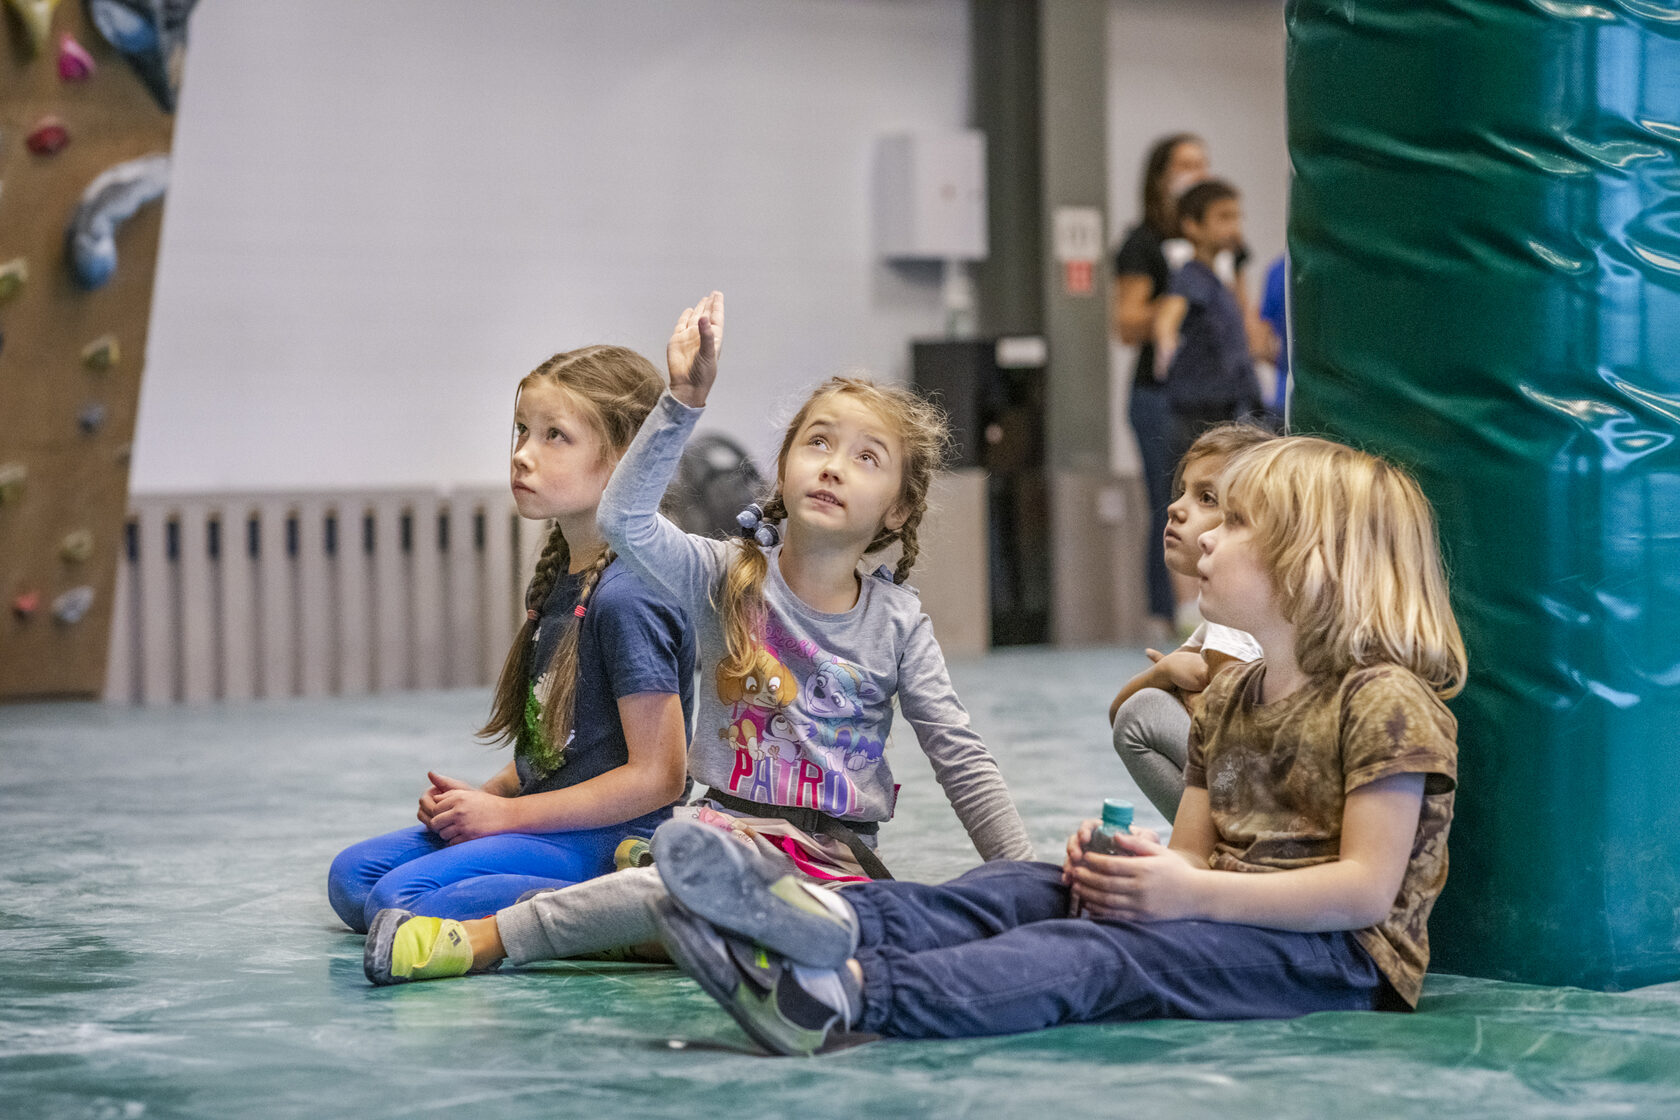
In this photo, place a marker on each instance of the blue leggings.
(414, 869)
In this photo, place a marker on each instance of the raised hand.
(692, 353)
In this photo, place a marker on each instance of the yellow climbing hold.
(102, 353)
(77, 546)
(13, 275)
(36, 17)
(12, 476)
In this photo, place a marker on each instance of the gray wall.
(384, 212)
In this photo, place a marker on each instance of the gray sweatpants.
(609, 912)
(1152, 737)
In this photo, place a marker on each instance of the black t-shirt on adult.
(1141, 255)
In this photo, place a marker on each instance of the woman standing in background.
(1174, 165)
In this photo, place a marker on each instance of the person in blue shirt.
(1274, 309)
(1201, 341)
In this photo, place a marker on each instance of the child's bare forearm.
(1169, 317)
(1151, 677)
(1356, 890)
(505, 782)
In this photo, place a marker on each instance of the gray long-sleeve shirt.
(808, 725)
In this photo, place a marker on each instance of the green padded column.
(1485, 234)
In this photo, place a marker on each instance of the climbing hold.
(25, 604)
(36, 17)
(13, 275)
(48, 137)
(110, 200)
(12, 476)
(102, 353)
(76, 547)
(75, 64)
(152, 36)
(70, 607)
(91, 418)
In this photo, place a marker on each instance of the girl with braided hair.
(596, 693)
(803, 655)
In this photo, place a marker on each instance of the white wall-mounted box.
(930, 195)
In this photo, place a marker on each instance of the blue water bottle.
(1116, 821)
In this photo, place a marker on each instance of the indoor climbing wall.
(87, 93)
(1485, 245)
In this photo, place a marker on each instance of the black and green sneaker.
(714, 875)
(784, 1007)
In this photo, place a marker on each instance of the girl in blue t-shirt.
(596, 693)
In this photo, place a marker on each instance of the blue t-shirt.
(1211, 365)
(1274, 309)
(634, 640)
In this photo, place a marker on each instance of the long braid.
(559, 706)
(507, 709)
(907, 558)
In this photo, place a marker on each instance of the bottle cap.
(1116, 813)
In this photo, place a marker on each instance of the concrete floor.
(166, 950)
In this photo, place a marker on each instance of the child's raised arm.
(660, 553)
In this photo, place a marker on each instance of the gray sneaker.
(784, 1007)
(733, 887)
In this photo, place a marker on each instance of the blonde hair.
(924, 439)
(617, 388)
(1350, 543)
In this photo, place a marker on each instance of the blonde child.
(803, 657)
(1308, 849)
(1150, 714)
(596, 691)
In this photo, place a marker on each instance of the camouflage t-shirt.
(1278, 776)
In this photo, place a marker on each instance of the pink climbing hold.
(48, 137)
(26, 603)
(75, 64)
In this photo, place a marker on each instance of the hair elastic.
(579, 610)
(531, 613)
(755, 527)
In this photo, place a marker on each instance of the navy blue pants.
(992, 952)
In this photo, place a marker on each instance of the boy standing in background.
(1201, 344)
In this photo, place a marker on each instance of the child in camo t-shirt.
(1308, 849)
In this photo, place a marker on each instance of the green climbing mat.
(1485, 244)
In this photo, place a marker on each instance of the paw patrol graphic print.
(802, 722)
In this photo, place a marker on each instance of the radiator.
(239, 596)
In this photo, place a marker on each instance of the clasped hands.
(459, 811)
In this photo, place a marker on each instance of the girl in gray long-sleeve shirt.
(802, 655)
